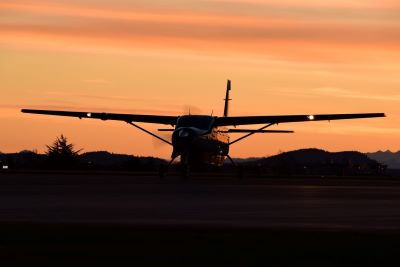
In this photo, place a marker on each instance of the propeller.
(158, 144)
(191, 110)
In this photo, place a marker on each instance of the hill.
(303, 161)
(107, 160)
(391, 159)
(317, 161)
(98, 160)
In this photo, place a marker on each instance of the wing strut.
(251, 133)
(148, 132)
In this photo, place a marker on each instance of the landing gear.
(163, 169)
(185, 166)
(239, 168)
(186, 171)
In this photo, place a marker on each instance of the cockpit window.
(197, 121)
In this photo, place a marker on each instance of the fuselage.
(197, 141)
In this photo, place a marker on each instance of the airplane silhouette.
(204, 139)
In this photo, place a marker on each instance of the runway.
(352, 204)
(99, 219)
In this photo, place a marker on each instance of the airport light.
(310, 117)
(5, 167)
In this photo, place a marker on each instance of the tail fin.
(227, 99)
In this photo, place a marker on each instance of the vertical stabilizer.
(227, 99)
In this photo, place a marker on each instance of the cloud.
(318, 4)
(97, 81)
(350, 129)
(292, 35)
(79, 102)
(79, 20)
(306, 43)
(339, 92)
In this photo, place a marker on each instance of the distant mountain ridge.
(302, 161)
(318, 156)
(101, 160)
(388, 158)
(319, 162)
(391, 159)
(107, 159)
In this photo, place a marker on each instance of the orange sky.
(162, 57)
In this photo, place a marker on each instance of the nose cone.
(184, 136)
(184, 133)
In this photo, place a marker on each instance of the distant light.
(310, 117)
(89, 114)
(5, 167)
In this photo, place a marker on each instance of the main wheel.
(186, 171)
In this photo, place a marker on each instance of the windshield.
(198, 121)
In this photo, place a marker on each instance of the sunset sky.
(164, 57)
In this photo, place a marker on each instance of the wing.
(171, 120)
(243, 120)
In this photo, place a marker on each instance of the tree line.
(62, 155)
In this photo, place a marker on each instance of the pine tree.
(62, 155)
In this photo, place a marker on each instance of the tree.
(62, 155)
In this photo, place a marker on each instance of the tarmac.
(319, 219)
(319, 203)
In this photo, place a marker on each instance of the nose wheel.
(185, 166)
(163, 169)
(238, 168)
(186, 171)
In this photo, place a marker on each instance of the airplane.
(204, 139)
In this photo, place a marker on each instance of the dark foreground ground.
(58, 219)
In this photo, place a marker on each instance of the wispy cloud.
(339, 92)
(62, 96)
(287, 35)
(341, 129)
(318, 4)
(78, 102)
(97, 81)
